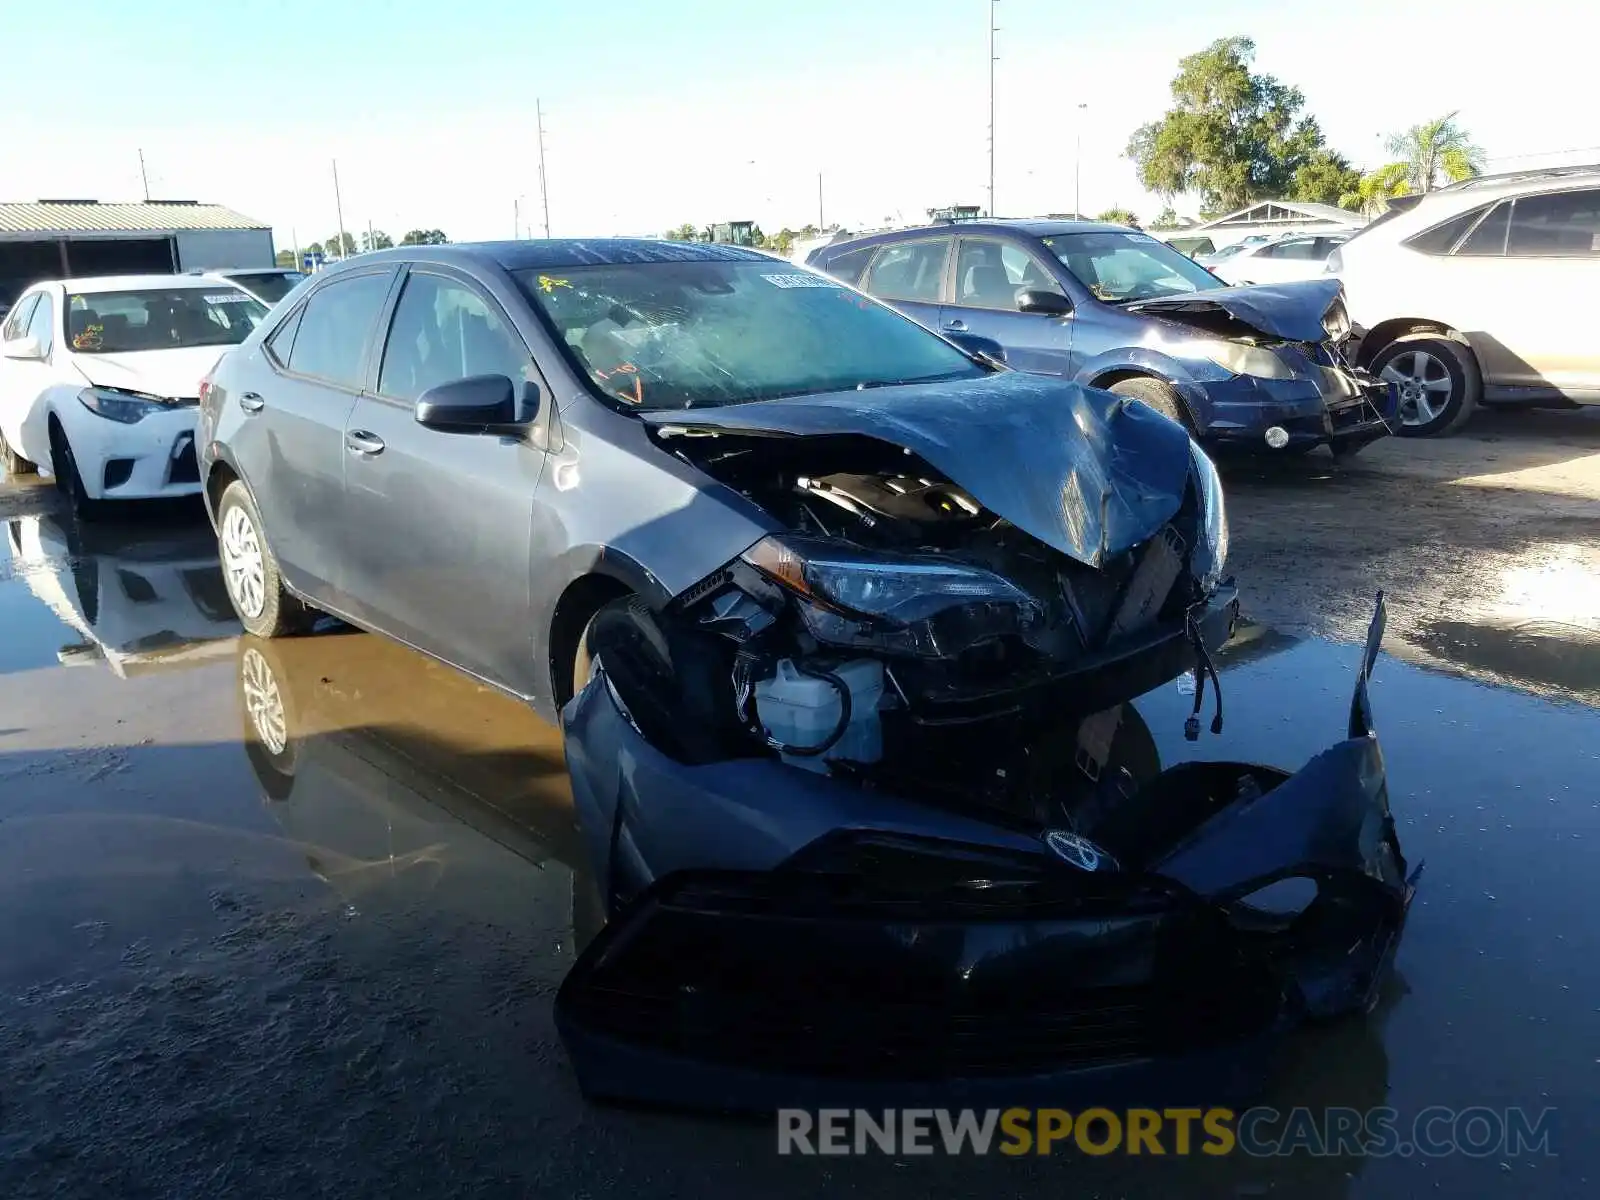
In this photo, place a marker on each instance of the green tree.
(315, 248)
(1232, 136)
(376, 240)
(1434, 148)
(1119, 216)
(1371, 195)
(332, 246)
(683, 233)
(424, 237)
(1167, 218)
(1324, 178)
(782, 241)
(287, 258)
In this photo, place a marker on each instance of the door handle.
(956, 324)
(359, 441)
(252, 402)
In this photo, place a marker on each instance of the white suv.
(1483, 291)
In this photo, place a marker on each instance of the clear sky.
(664, 111)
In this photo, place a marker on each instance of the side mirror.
(974, 344)
(474, 403)
(1045, 303)
(26, 346)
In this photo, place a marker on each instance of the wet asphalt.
(318, 958)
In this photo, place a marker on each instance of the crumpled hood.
(1293, 311)
(171, 374)
(1086, 472)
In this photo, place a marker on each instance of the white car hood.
(172, 374)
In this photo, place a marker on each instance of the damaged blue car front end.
(781, 936)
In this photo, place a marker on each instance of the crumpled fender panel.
(832, 945)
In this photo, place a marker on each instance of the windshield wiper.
(866, 384)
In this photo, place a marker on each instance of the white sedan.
(1296, 256)
(100, 381)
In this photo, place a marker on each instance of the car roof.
(561, 253)
(1031, 226)
(232, 272)
(128, 283)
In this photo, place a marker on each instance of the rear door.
(989, 273)
(441, 522)
(910, 275)
(290, 442)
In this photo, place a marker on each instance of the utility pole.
(144, 177)
(993, 29)
(338, 206)
(1077, 168)
(820, 222)
(294, 236)
(516, 218)
(544, 191)
(372, 241)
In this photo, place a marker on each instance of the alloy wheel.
(243, 563)
(1424, 383)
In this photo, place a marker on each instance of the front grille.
(185, 463)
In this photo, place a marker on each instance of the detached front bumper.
(780, 937)
(1336, 406)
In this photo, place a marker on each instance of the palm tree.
(1434, 148)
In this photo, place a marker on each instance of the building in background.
(61, 239)
(1272, 218)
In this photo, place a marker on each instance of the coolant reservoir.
(800, 710)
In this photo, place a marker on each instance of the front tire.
(12, 463)
(1439, 382)
(1161, 396)
(70, 480)
(255, 586)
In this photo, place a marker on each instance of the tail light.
(205, 389)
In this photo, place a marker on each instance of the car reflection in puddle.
(404, 773)
(139, 599)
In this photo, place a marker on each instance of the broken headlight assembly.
(1211, 555)
(1244, 359)
(899, 603)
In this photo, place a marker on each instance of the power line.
(1542, 154)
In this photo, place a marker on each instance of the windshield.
(1228, 252)
(689, 334)
(1119, 266)
(160, 319)
(270, 286)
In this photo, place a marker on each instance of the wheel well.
(1121, 373)
(1384, 332)
(583, 598)
(217, 483)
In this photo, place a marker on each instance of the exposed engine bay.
(904, 636)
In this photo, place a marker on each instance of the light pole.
(993, 29)
(1077, 169)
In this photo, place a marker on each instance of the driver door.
(989, 273)
(441, 522)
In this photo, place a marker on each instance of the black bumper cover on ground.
(875, 968)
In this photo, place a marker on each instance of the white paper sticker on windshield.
(799, 280)
(1140, 237)
(227, 298)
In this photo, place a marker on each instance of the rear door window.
(1558, 225)
(335, 327)
(910, 270)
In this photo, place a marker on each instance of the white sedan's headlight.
(122, 407)
(1245, 360)
(1212, 556)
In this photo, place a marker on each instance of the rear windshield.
(270, 286)
(160, 319)
(690, 334)
(1129, 266)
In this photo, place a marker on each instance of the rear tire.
(12, 463)
(1161, 396)
(1440, 384)
(255, 586)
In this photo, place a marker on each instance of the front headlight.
(1211, 556)
(122, 407)
(913, 604)
(1245, 360)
